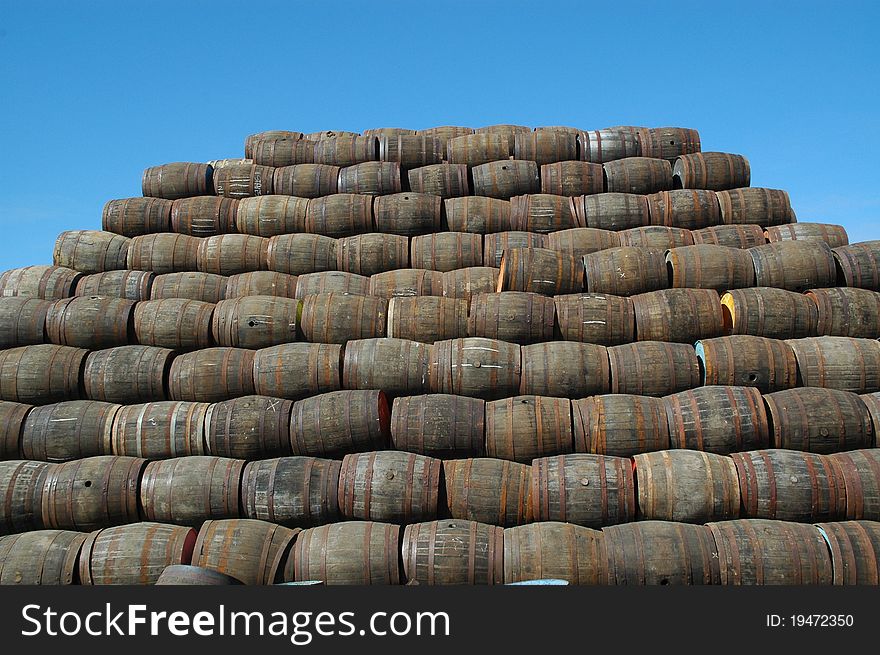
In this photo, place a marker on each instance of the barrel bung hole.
(252, 323)
(753, 377)
(87, 483)
(664, 581)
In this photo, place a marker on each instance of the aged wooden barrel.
(268, 135)
(794, 265)
(476, 149)
(412, 150)
(686, 208)
(509, 131)
(718, 419)
(861, 478)
(858, 265)
(444, 180)
(160, 430)
(305, 180)
(495, 243)
(541, 213)
(732, 236)
(493, 491)
(598, 318)
(133, 216)
(506, 178)
(340, 422)
(92, 493)
(337, 317)
(439, 425)
(446, 251)
(268, 151)
(211, 375)
(560, 551)
(653, 368)
(819, 420)
(68, 430)
(769, 312)
(453, 552)
(746, 360)
(465, 282)
(338, 282)
(249, 427)
(686, 486)
(626, 271)
(128, 374)
(23, 320)
(164, 253)
(91, 251)
(396, 366)
(446, 132)
(790, 486)
(328, 134)
(178, 180)
(522, 428)
(372, 178)
(246, 549)
(207, 287)
(855, 551)
(44, 282)
(872, 401)
(255, 321)
(243, 181)
(661, 553)
(348, 553)
(755, 205)
(186, 574)
(843, 363)
(91, 322)
(42, 557)
(261, 283)
(656, 236)
(546, 146)
(427, 318)
(668, 142)
(476, 214)
(540, 270)
(599, 146)
(340, 215)
(296, 254)
(584, 489)
(230, 161)
(292, 491)
(267, 216)
(619, 425)
(295, 370)
(611, 211)
(387, 131)
(834, 235)
(564, 368)
(366, 254)
(190, 490)
(21, 487)
(717, 171)
(229, 254)
(203, 216)
(407, 214)
(581, 241)
(12, 418)
(706, 266)
(477, 367)
(133, 285)
(405, 282)
(642, 175)
(346, 150)
(572, 178)
(512, 316)
(846, 312)
(41, 374)
(680, 315)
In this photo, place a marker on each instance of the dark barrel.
(42, 557)
(711, 170)
(340, 215)
(21, 487)
(819, 420)
(412, 150)
(540, 270)
(427, 318)
(268, 135)
(133, 216)
(706, 266)
(203, 216)
(465, 282)
(626, 271)
(41, 374)
(546, 146)
(732, 236)
(68, 430)
(668, 142)
(261, 283)
(297, 254)
(338, 317)
(44, 282)
(340, 422)
(338, 282)
(160, 430)
(207, 287)
(255, 321)
(474, 366)
(446, 251)
(23, 321)
(346, 150)
(444, 180)
(211, 375)
(858, 265)
(372, 178)
(794, 265)
(476, 214)
(598, 318)
(653, 368)
(243, 180)
(855, 551)
(133, 285)
(12, 418)
(453, 551)
(186, 574)
(439, 425)
(755, 205)
(506, 178)
(769, 312)
(366, 254)
(611, 211)
(493, 491)
(495, 243)
(295, 370)
(843, 363)
(564, 368)
(91, 251)
(127, 374)
(396, 366)
(740, 359)
(283, 152)
(267, 216)
(656, 236)
(554, 550)
(164, 253)
(305, 180)
(834, 235)
(91, 322)
(619, 425)
(178, 180)
(292, 491)
(405, 282)
(609, 144)
(512, 316)
(861, 478)
(408, 214)
(541, 213)
(476, 149)
(679, 315)
(522, 428)
(638, 175)
(581, 241)
(509, 131)
(229, 254)
(691, 209)
(572, 178)
(249, 427)
(846, 312)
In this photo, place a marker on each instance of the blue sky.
(94, 92)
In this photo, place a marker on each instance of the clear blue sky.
(94, 92)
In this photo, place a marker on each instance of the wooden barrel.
(686, 486)
(178, 180)
(372, 178)
(855, 551)
(229, 254)
(407, 214)
(653, 368)
(23, 321)
(444, 180)
(558, 551)
(691, 209)
(292, 491)
(296, 254)
(134, 554)
(619, 425)
(626, 271)
(255, 321)
(668, 142)
(512, 316)
(476, 214)
(846, 312)
(127, 374)
(656, 236)
(261, 283)
(572, 178)
(338, 282)
(366, 254)
(861, 478)
(439, 425)
(717, 171)
(269, 151)
(642, 175)
(41, 374)
(546, 146)
(295, 370)
(476, 149)
(133, 216)
(427, 318)
(493, 491)
(44, 282)
(465, 282)
(732, 236)
(495, 243)
(337, 317)
(91, 251)
(506, 178)
(541, 271)
(346, 149)
(92, 493)
(211, 375)
(763, 552)
(246, 549)
(12, 418)
(581, 241)
(872, 401)
(396, 366)
(132, 285)
(599, 146)
(446, 251)
(207, 287)
(794, 265)
(718, 419)
(584, 489)
(706, 266)
(680, 315)
(611, 211)
(769, 312)
(858, 264)
(186, 574)
(755, 205)
(305, 180)
(446, 132)
(340, 215)
(595, 318)
(267, 216)
(68, 430)
(243, 181)
(746, 360)
(203, 216)
(328, 134)
(387, 131)
(509, 131)
(541, 213)
(190, 490)
(249, 427)
(340, 422)
(160, 430)
(476, 367)
(43, 557)
(843, 363)
(268, 135)
(661, 553)
(453, 552)
(412, 150)
(348, 553)
(230, 161)
(522, 428)
(834, 235)
(21, 487)
(790, 486)
(164, 253)
(819, 420)
(389, 486)
(564, 368)
(91, 322)
(405, 282)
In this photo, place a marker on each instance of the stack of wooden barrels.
(445, 356)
